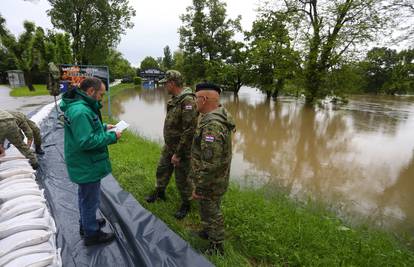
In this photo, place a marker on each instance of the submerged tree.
(271, 58)
(206, 38)
(328, 30)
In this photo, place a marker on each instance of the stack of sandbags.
(27, 231)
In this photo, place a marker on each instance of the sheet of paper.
(119, 127)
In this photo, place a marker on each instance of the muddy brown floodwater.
(358, 159)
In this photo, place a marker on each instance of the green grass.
(263, 228)
(24, 91)
(121, 87)
(41, 90)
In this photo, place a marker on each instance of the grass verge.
(121, 87)
(262, 228)
(42, 90)
(24, 91)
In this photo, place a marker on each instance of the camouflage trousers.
(212, 219)
(165, 170)
(37, 138)
(10, 131)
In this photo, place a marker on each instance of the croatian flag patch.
(188, 107)
(209, 138)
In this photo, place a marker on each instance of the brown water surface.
(357, 159)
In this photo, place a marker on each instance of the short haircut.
(178, 82)
(91, 82)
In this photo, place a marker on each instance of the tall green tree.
(205, 37)
(94, 25)
(178, 61)
(119, 67)
(328, 30)
(149, 63)
(271, 57)
(167, 60)
(378, 67)
(28, 50)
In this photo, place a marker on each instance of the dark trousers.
(89, 199)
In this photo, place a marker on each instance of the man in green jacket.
(179, 127)
(211, 154)
(86, 153)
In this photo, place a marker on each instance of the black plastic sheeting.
(142, 238)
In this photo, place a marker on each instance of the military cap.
(172, 75)
(208, 86)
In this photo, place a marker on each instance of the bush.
(137, 80)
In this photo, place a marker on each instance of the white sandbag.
(17, 181)
(33, 260)
(8, 205)
(14, 163)
(18, 187)
(11, 157)
(18, 177)
(6, 174)
(20, 209)
(45, 247)
(8, 229)
(39, 213)
(23, 239)
(5, 196)
(51, 222)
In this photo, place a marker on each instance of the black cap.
(208, 86)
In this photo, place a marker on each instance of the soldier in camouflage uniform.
(211, 154)
(179, 127)
(10, 130)
(30, 130)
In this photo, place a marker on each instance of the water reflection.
(358, 158)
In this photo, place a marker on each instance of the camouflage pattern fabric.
(172, 75)
(165, 170)
(211, 154)
(29, 128)
(179, 127)
(10, 131)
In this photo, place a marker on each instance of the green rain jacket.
(86, 138)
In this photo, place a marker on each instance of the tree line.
(85, 32)
(298, 47)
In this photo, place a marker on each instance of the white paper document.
(119, 127)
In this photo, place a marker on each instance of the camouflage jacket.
(180, 123)
(5, 115)
(211, 153)
(21, 121)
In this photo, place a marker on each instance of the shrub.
(137, 80)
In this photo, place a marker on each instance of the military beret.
(208, 86)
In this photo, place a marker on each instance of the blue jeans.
(89, 199)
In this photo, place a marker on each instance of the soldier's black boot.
(215, 248)
(183, 211)
(39, 150)
(159, 193)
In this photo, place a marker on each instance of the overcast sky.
(156, 22)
